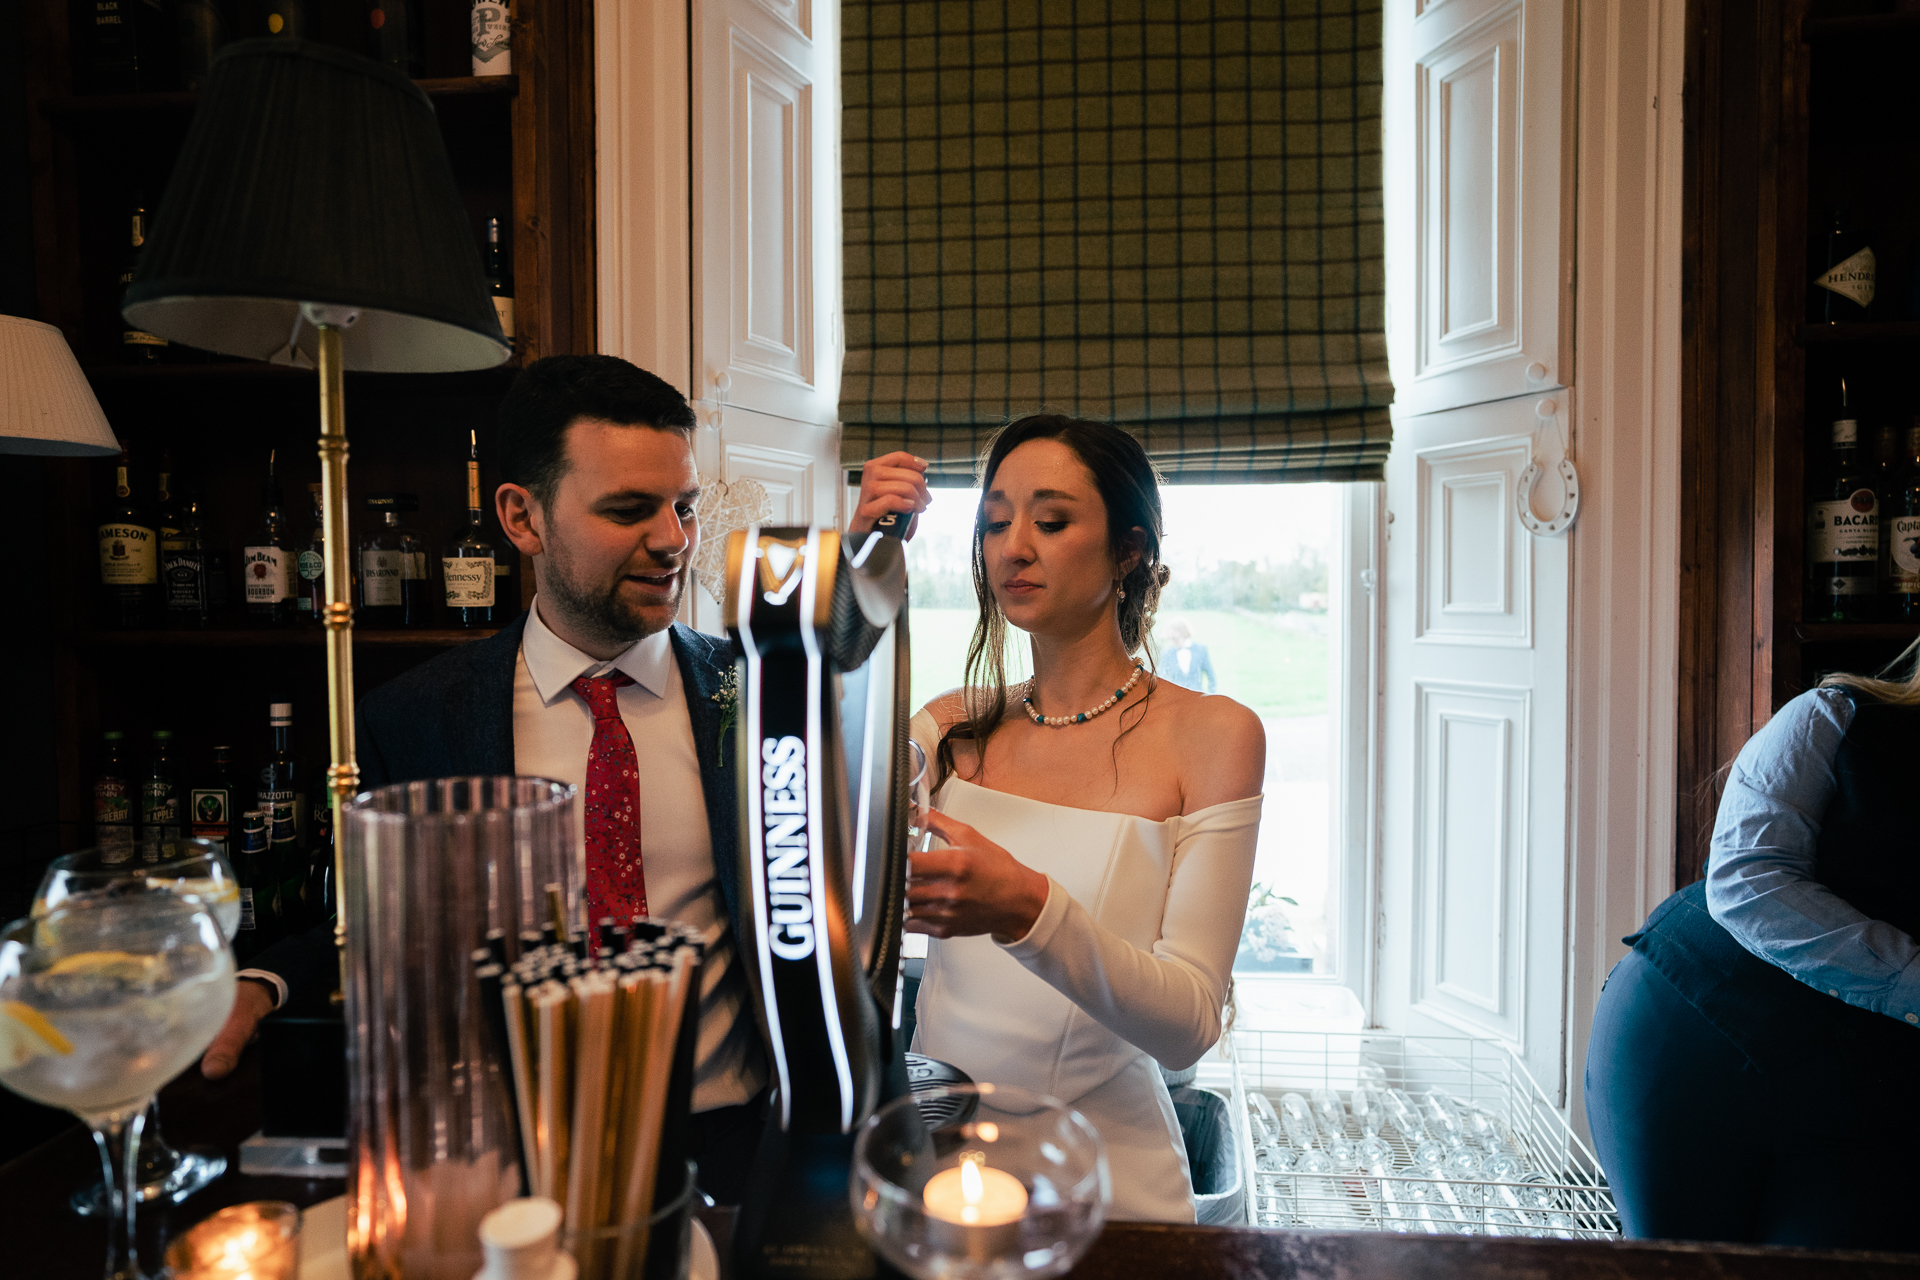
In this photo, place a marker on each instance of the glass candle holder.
(258, 1241)
(1016, 1187)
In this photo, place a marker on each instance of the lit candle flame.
(972, 1190)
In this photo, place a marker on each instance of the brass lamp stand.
(343, 773)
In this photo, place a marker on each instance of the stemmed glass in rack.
(1332, 1115)
(103, 999)
(192, 869)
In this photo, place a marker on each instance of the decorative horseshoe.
(1547, 410)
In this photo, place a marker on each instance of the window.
(1268, 603)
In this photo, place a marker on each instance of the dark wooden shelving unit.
(1823, 335)
(1901, 633)
(520, 147)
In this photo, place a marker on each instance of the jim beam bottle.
(467, 568)
(1843, 532)
(137, 346)
(267, 562)
(129, 558)
(113, 800)
(393, 566)
(160, 816)
(1842, 268)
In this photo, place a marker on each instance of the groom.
(594, 685)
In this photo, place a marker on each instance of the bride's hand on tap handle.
(972, 886)
(895, 483)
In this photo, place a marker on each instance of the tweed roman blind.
(1166, 215)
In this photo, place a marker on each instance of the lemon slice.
(92, 961)
(25, 1033)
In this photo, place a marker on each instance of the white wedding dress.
(1126, 968)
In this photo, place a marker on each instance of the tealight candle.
(973, 1195)
(259, 1241)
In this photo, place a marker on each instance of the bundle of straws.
(600, 1044)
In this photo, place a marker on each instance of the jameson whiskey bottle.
(1841, 267)
(467, 568)
(213, 807)
(267, 561)
(499, 280)
(393, 566)
(129, 558)
(113, 800)
(259, 913)
(159, 800)
(311, 603)
(1843, 532)
(137, 346)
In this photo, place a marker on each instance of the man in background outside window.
(1187, 664)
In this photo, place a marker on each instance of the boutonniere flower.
(728, 696)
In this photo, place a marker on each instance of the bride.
(1099, 822)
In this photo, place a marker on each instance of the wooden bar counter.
(43, 1240)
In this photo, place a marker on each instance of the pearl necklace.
(1056, 722)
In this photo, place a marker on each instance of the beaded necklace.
(1057, 722)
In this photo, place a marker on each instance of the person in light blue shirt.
(1752, 1056)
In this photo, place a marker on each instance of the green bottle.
(159, 800)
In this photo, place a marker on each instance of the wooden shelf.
(69, 107)
(1874, 26)
(1854, 632)
(1821, 335)
(301, 637)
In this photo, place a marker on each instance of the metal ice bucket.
(429, 868)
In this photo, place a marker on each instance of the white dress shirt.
(552, 734)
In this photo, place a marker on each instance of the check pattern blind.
(1164, 215)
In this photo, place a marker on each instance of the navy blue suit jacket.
(453, 716)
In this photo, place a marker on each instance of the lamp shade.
(314, 176)
(46, 406)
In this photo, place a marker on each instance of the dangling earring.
(1122, 590)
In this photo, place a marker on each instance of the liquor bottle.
(467, 568)
(393, 566)
(129, 558)
(267, 561)
(279, 796)
(394, 35)
(312, 601)
(1841, 269)
(259, 914)
(120, 46)
(159, 800)
(213, 807)
(288, 19)
(184, 566)
(1843, 533)
(1900, 587)
(198, 32)
(499, 279)
(492, 38)
(137, 346)
(113, 800)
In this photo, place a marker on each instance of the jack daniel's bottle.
(1843, 531)
(1842, 270)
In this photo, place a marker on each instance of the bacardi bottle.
(467, 568)
(393, 566)
(129, 558)
(159, 800)
(113, 800)
(1843, 532)
(267, 562)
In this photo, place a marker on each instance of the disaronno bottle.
(467, 568)
(1842, 270)
(129, 558)
(1843, 532)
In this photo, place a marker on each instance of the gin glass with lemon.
(191, 868)
(103, 999)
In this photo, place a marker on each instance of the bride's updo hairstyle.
(1131, 492)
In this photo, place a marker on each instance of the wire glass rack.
(1549, 1185)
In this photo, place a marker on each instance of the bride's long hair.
(1130, 489)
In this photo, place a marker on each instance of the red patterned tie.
(616, 884)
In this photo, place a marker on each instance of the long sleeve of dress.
(1760, 875)
(1165, 997)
